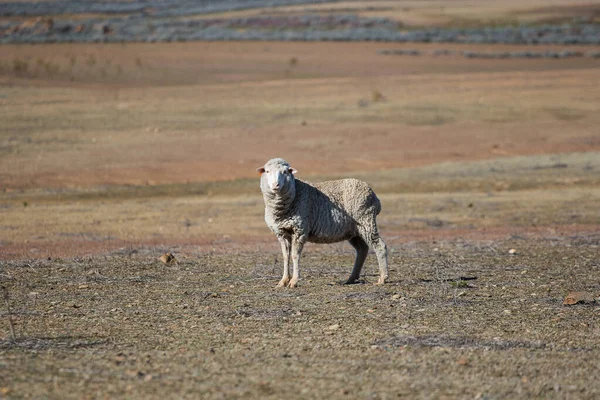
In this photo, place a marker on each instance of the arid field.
(488, 171)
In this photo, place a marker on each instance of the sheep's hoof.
(293, 283)
(352, 282)
(283, 282)
(381, 280)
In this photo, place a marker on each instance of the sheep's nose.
(275, 186)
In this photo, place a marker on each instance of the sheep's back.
(353, 195)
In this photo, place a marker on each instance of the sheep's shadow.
(50, 343)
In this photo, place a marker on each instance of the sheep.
(328, 212)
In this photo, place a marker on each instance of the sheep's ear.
(292, 170)
(260, 170)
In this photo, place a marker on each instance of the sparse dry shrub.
(20, 67)
(377, 96)
(91, 61)
(51, 69)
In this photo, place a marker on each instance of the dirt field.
(461, 318)
(111, 155)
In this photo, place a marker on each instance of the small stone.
(512, 251)
(131, 373)
(334, 327)
(396, 297)
(579, 298)
(462, 361)
(167, 258)
(508, 312)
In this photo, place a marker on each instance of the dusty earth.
(459, 319)
(111, 155)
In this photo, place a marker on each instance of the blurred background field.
(89, 121)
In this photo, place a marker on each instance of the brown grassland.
(111, 155)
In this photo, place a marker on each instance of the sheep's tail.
(377, 204)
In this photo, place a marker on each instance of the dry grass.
(139, 128)
(514, 195)
(461, 13)
(212, 325)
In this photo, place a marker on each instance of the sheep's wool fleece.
(326, 212)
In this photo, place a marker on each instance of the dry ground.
(191, 109)
(436, 13)
(111, 155)
(459, 319)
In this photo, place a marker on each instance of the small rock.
(462, 361)
(334, 327)
(579, 298)
(131, 373)
(512, 251)
(396, 297)
(167, 258)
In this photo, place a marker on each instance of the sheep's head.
(276, 177)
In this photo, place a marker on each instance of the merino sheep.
(328, 212)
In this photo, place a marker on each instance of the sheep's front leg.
(285, 249)
(297, 245)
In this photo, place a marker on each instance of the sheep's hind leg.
(371, 236)
(297, 245)
(362, 249)
(285, 249)
(382, 258)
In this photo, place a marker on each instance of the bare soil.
(458, 319)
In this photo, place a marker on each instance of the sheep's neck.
(279, 204)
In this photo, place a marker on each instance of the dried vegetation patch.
(213, 323)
